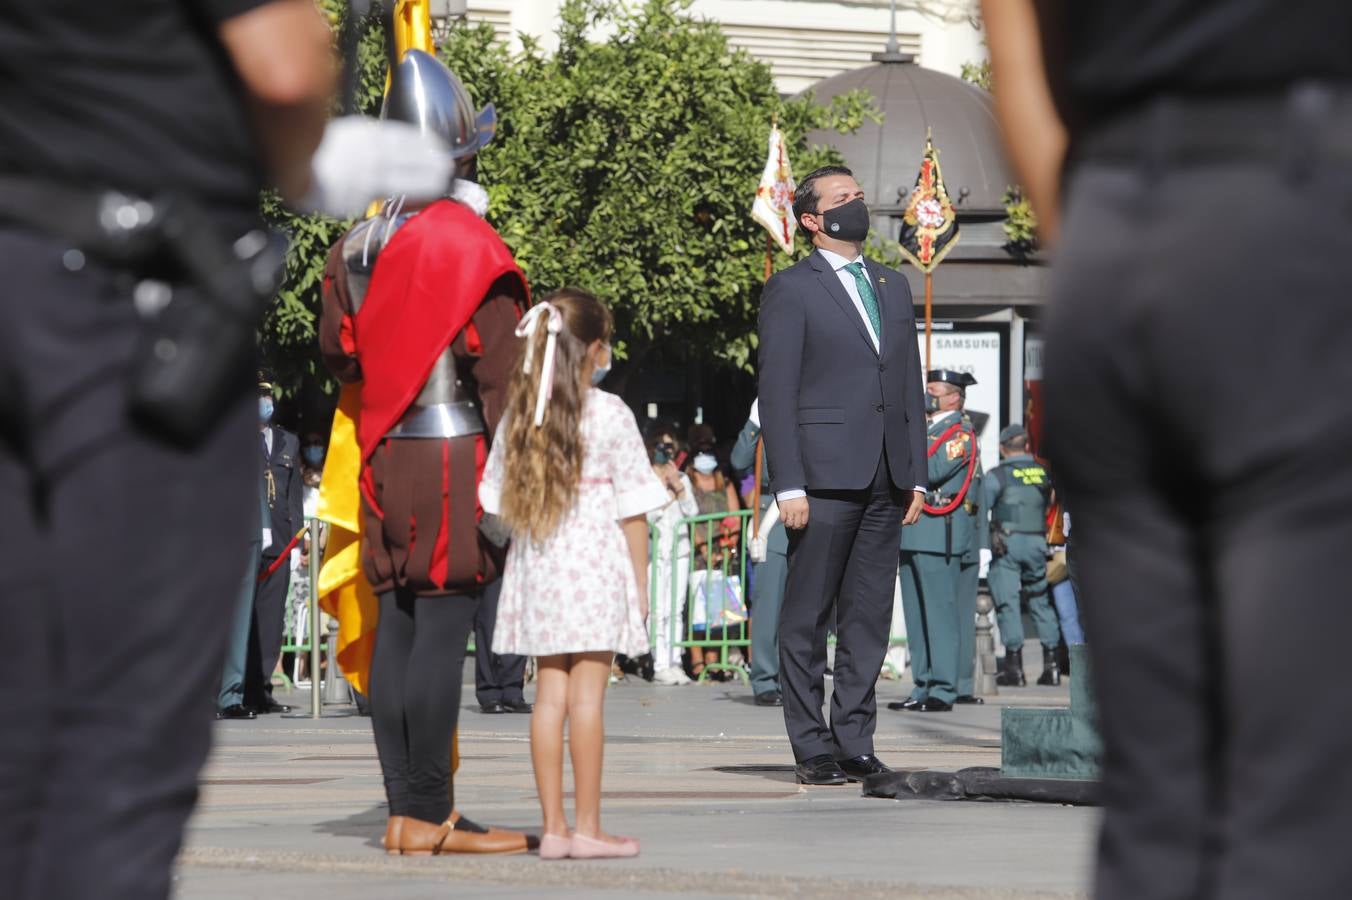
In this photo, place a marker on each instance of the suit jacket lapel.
(827, 276)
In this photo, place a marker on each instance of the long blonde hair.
(544, 463)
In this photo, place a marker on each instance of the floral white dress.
(576, 591)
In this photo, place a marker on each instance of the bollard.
(333, 679)
(315, 709)
(984, 681)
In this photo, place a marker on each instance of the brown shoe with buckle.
(419, 838)
(468, 837)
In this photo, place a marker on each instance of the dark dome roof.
(886, 157)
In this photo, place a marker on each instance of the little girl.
(569, 474)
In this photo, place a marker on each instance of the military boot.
(1051, 670)
(1012, 676)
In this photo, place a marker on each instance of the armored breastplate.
(448, 404)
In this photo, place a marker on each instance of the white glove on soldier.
(755, 412)
(362, 159)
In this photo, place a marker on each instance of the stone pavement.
(293, 807)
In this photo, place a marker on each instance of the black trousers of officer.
(265, 631)
(120, 561)
(847, 553)
(1198, 377)
(498, 677)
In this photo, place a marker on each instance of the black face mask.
(847, 223)
(931, 403)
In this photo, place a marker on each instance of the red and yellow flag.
(929, 226)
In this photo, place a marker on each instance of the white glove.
(755, 412)
(362, 159)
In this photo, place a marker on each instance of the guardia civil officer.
(283, 518)
(134, 142)
(1018, 492)
(933, 549)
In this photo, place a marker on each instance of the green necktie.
(866, 296)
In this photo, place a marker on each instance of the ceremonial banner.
(774, 197)
(929, 226)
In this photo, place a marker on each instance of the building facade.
(803, 41)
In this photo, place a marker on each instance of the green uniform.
(931, 566)
(1017, 493)
(968, 578)
(768, 577)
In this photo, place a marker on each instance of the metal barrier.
(715, 605)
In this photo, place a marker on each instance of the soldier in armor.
(933, 549)
(1018, 493)
(421, 305)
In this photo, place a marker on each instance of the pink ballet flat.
(554, 846)
(584, 847)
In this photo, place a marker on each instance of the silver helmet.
(424, 92)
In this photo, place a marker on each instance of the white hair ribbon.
(525, 329)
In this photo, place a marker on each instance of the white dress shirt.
(838, 264)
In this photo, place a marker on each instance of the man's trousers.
(767, 598)
(929, 598)
(121, 562)
(848, 551)
(1023, 569)
(498, 677)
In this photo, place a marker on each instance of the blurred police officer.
(1018, 492)
(932, 550)
(134, 141)
(1198, 330)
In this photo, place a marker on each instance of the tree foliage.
(625, 163)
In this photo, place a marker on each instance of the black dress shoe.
(271, 706)
(934, 704)
(908, 704)
(770, 698)
(518, 706)
(238, 711)
(966, 699)
(495, 708)
(820, 770)
(859, 767)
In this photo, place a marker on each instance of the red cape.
(427, 284)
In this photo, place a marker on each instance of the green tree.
(625, 163)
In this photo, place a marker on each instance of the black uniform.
(1196, 385)
(283, 487)
(121, 553)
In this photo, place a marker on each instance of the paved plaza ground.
(293, 807)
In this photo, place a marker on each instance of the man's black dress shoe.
(934, 704)
(860, 766)
(496, 708)
(517, 706)
(271, 706)
(238, 711)
(820, 770)
(908, 704)
(966, 699)
(770, 698)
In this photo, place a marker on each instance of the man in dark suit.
(842, 408)
(284, 516)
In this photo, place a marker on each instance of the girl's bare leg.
(546, 739)
(586, 736)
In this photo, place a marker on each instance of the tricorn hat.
(949, 376)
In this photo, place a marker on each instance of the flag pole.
(769, 255)
(929, 315)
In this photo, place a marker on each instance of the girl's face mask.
(705, 463)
